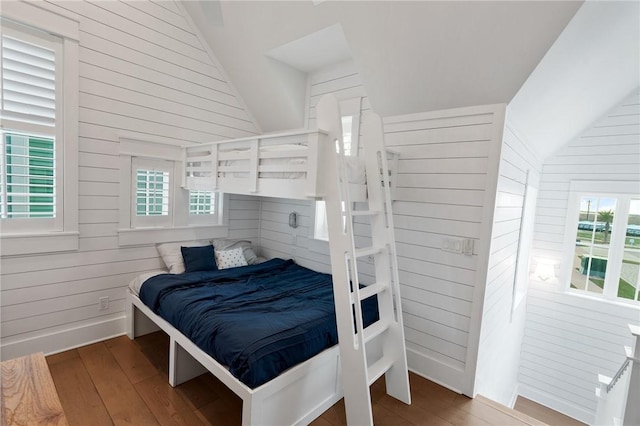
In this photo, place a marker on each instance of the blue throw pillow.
(199, 258)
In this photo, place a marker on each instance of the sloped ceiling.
(594, 64)
(413, 56)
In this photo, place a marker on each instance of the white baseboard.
(553, 402)
(514, 397)
(436, 371)
(64, 340)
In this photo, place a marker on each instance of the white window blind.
(28, 82)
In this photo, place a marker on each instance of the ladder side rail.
(352, 351)
(382, 230)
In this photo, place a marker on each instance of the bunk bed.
(284, 165)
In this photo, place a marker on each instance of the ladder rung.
(368, 251)
(372, 289)
(374, 330)
(378, 369)
(365, 212)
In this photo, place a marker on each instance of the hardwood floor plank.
(62, 357)
(155, 346)
(95, 387)
(221, 412)
(168, 407)
(513, 413)
(415, 412)
(28, 394)
(120, 398)
(544, 414)
(197, 392)
(79, 398)
(132, 361)
(482, 411)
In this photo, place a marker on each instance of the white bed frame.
(295, 397)
(206, 166)
(302, 393)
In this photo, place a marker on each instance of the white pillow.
(172, 256)
(230, 258)
(223, 244)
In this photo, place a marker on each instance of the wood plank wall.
(501, 334)
(568, 339)
(446, 190)
(441, 194)
(143, 71)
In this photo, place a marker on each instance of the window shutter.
(152, 193)
(201, 202)
(28, 82)
(28, 184)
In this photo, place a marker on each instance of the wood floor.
(124, 382)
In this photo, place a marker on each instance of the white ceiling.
(413, 56)
(314, 51)
(594, 64)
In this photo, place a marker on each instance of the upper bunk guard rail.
(285, 163)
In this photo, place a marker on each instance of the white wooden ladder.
(359, 371)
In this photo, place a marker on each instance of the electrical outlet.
(104, 303)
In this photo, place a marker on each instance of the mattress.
(257, 320)
(355, 166)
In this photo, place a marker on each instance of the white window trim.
(181, 227)
(348, 107)
(623, 191)
(67, 27)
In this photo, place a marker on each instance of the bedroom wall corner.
(145, 73)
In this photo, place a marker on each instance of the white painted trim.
(67, 126)
(141, 236)
(436, 371)
(64, 340)
(484, 243)
(34, 15)
(147, 148)
(217, 64)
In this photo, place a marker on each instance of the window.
(350, 137)
(38, 130)
(151, 192)
(154, 207)
(605, 247)
(31, 134)
(201, 202)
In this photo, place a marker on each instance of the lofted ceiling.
(412, 56)
(591, 68)
(560, 65)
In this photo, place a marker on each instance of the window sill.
(48, 242)
(318, 246)
(580, 298)
(142, 236)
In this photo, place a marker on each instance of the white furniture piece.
(305, 165)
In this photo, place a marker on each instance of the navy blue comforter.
(258, 320)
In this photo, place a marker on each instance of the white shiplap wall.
(277, 238)
(501, 333)
(143, 71)
(447, 178)
(570, 339)
(446, 190)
